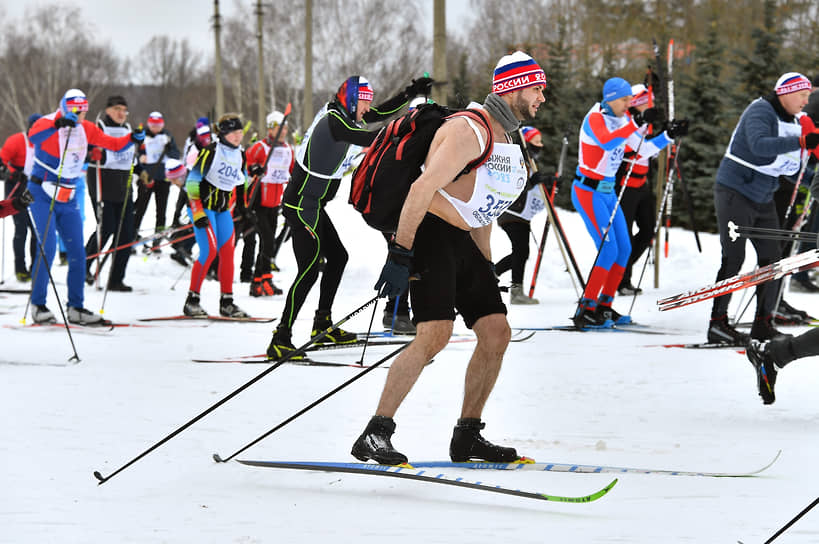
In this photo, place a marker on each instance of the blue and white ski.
(423, 476)
(588, 469)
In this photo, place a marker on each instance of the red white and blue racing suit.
(603, 139)
(59, 158)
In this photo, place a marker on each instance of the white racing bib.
(278, 166)
(155, 146)
(226, 169)
(118, 160)
(498, 183)
(534, 205)
(72, 153)
(785, 164)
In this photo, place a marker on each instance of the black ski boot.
(763, 328)
(759, 353)
(374, 443)
(588, 318)
(192, 307)
(321, 322)
(281, 345)
(468, 445)
(720, 332)
(228, 309)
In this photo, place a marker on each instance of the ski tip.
(218, 459)
(99, 477)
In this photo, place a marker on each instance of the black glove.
(395, 275)
(68, 120)
(539, 177)
(252, 217)
(18, 176)
(677, 127)
(420, 86)
(648, 116)
(202, 222)
(255, 170)
(22, 199)
(138, 135)
(810, 140)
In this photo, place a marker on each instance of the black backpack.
(393, 162)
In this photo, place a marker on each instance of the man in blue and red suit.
(607, 128)
(61, 140)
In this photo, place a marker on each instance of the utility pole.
(220, 92)
(260, 89)
(307, 103)
(439, 92)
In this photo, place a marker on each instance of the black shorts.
(454, 276)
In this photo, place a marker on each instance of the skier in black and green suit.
(335, 137)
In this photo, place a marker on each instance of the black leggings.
(733, 206)
(160, 190)
(309, 247)
(640, 208)
(518, 233)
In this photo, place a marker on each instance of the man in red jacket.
(17, 155)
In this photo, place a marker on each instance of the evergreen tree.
(703, 100)
(762, 67)
(461, 87)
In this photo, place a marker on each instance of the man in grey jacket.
(767, 142)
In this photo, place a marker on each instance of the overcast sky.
(128, 25)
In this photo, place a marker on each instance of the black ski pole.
(219, 459)
(613, 215)
(76, 356)
(48, 222)
(689, 202)
(794, 520)
(296, 353)
(121, 221)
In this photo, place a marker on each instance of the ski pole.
(184, 271)
(99, 224)
(689, 202)
(797, 227)
(551, 197)
(794, 520)
(129, 181)
(44, 262)
(76, 356)
(167, 233)
(613, 215)
(219, 459)
(657, 223)
(296, 353)
(674, 148)
(3, 265)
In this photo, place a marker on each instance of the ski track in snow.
(563, 397)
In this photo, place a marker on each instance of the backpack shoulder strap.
(479, 117)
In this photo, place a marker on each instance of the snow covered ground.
(568, 397)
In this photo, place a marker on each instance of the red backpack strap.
(481, 118)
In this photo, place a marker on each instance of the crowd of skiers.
(229, 193)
